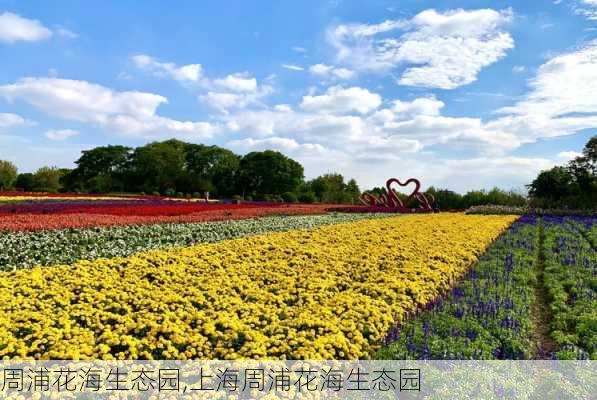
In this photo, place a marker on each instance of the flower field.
(38, 217)
(332, 289)
(496, 313)
(151, 278)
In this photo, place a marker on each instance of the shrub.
(289, 197)
(307, 197)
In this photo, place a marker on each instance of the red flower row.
(33, 222)
(139, 207)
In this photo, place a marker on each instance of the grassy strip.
(26, 249)
(488, 315)
(570, 266)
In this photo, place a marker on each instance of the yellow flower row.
(324, 293)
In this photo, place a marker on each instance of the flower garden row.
(330, 291)
(149, 215)
(494, 312)
(65, 246)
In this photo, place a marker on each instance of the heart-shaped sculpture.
(406, 183)
(368, 199)
(425, 201)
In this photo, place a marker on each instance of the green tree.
(47, 179)
(160, 166)
(352, 191)
(102, 169)
(330, 188)
(212, 168)
(8, 175)
(269, 173)
(584, 168)
(552, 184)
(25, 181)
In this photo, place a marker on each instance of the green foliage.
(571, 286)
(100, 170)
(25, 181)
(213, 167)
(307, 197)
(269, 172)
(331, 188)
(47, 179)
(290, 197)
(570, 186)
(8, 175)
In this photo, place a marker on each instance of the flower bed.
(487, 315)
(49, 247)
(156, 207)
(570, 279)
(329, 292)
(35, 222)
(496, 312)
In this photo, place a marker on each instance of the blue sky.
(455, 93)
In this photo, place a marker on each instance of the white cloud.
(239, 82)
(518, 69)
(299, 49)
(569, 155)
(131, 113)
(186, 73)
(60, 134)
(587, 8)
(283, 108)
(342, 100)
(419, 106)
(440, 50)
(237, 90)
(67, 33)
(329, 71)
(15, 28)
(225, 101)
(286, 145)
(8, 120)
(561, 100)
(293, 67)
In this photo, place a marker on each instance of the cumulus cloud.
(342, 100)
(8, 120)
(286, 145)
(60, 134)
(184, 73)
(420, 106)
(569, 155)
(131, 113)
(235, 99)
(14, 28)
(440, 50)
(561, 99)
(239, 82)
(329, 71)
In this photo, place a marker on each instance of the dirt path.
(540, 310)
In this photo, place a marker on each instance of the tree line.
(176, 168)
(573, 185)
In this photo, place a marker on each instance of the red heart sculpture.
(408, 181)
(368, 199)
